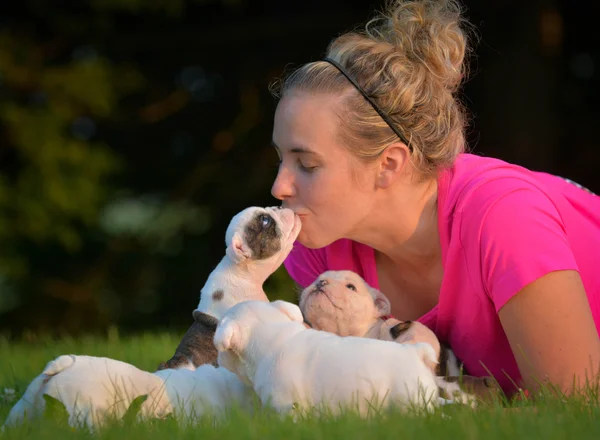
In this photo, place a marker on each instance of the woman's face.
(318, 177)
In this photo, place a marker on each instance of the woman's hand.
(552, 333)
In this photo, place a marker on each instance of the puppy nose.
(322, 283)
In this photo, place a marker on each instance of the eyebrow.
(297, 150)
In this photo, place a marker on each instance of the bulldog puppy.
(291, 367)
(196, 348)
(257, 240)
(341, 302)
(205, 390)
(96, 389)
(92, 389)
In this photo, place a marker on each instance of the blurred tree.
(131, 131)
(107, 211)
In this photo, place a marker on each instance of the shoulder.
(478, 182)
(510, 226)
(478, 190)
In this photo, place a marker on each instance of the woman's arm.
(551, 332)
(515, 236)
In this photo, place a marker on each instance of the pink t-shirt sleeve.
(513, 234)
(305, 265)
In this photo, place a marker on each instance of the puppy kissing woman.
(499, 261)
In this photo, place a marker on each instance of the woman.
(498, 260)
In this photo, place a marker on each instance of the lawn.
(550, 418)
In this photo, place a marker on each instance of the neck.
(403, 225)
(248, 272)
(238, 282)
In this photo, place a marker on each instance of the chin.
(310, 242)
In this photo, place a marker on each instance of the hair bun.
(427, 34)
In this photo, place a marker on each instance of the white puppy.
(341, 302)
(95, 389)
(292, 367)
(257, 240)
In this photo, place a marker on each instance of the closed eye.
(305, 168)
(351, 286)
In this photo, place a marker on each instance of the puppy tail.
(32, 404)
(59, 364)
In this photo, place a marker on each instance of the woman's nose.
(282, 187)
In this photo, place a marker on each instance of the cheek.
(318, 311)
(334, 205)
(322, 225)
(356, 307)
(313, 190)
(324, 188)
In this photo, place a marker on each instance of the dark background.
(131, 132)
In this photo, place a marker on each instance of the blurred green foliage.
(89, 237)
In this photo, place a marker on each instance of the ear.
(238, 250)
(289, 309)
(391, 163)
(382, 303)
(227, 336)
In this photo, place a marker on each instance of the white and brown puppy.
(96, 389)
(257, 241)
(292, 367)
(341, 302)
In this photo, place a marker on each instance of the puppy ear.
(227, 336)
(289, 309)
(238, 250)
(382, 303)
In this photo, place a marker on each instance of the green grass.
(551, 418)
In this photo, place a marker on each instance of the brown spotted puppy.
(258, 240)
(411, 332)
(196, 347)
(341, 302)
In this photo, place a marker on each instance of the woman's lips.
(296, 211)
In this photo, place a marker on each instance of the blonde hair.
(410, 60)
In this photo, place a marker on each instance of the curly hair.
(409, 59)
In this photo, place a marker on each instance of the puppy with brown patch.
(258, 240)
(341, 302)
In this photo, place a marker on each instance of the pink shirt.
(501, 227)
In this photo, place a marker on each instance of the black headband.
(377, 109)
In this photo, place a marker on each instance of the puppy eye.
(351, 286)
(265, 220)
